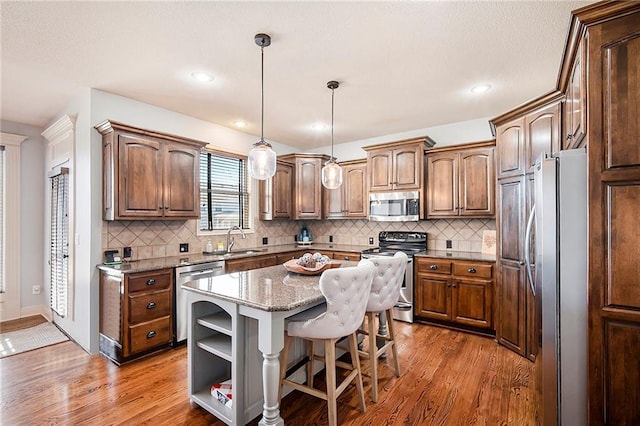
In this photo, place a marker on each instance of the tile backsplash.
(151, 239)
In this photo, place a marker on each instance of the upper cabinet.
(148, 175)
(307, 187)
(276, 194)
(511, 148)
(542, 128)
(349, 201)
(575, 104)
(461, 181)
(397, 165)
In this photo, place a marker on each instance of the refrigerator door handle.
(527, 249)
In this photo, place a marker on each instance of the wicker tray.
(292, 266)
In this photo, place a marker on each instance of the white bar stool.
(385, 291)
(346, 291)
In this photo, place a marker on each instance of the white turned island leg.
(270, 384)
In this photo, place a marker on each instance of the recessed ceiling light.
(202, 76)
(240, 123)
(480, 88)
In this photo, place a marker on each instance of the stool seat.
(346, 292)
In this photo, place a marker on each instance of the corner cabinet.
(135, 313)
(349, 201)
(307, 186)
(148, 175)
(461, 181)
(276, 194)
(455, 292)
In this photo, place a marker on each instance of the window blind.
(2, 204)
(224, 196)
(59, 250)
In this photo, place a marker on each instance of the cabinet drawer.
(475, 270)
(346, 255)
(150, 334)
(152, 280)
(147, 306)
(434, 266)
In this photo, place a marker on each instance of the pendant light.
(262, 159)
(332, 172)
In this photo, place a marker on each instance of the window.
(224, 194)
(2, 219)
(59, 250)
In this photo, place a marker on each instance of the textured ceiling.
(402, 65)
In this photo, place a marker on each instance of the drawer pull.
(472, 270)
(346, 258)
(151, 334)
(151, 281)
(151, 305)
(433, 267)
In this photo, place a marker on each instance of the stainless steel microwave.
(394, 206)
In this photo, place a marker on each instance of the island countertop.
(269, 289)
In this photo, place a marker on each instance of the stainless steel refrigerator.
(560, 285)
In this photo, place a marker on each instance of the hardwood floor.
(448, 378)
(22, 323)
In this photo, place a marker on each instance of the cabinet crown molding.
(426, 140)
(481, 144)
(527, 107)
(109, 126)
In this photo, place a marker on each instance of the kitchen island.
(229, 316)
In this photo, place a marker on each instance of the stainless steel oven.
(391, 242)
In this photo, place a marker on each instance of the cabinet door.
(575, 105)
(510, 146)
(477, 183)
(407, 166)
(432, 297)
(471, 302)
(355, 191)
(283, 191)
(542, 130)
(511, 218)
(380, 165)
(181, 181)
(511, 327)
(442, 184)
(140, 178)
(308, 189)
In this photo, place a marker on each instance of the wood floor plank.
(448, 378)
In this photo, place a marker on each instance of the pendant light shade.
(332, 172)
(262, 159)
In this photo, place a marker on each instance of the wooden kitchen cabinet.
(397, 166)
(136, 312)
(575, 104)
(276, 194)
(307, 186)
(350, 200)
(461, 181)
(251, 262)
(148, 175)
(454, 292)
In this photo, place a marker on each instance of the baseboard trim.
(29, 311)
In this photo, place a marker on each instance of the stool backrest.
(385, 289)
(346, 291)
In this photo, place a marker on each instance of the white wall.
(32, 185)
(445, 135)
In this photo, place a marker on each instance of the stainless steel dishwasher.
(185, 274)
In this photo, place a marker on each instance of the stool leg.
(394, 345)
(284, 356)
(330, 367)
(311, 355)
(373, 358)
(355, 361)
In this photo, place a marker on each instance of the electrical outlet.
(330, 238)
(184, 247)
(36, 289)
(449, 244)
(265, 241)
(126, 252)
(370, 240)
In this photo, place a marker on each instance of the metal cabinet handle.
(472, 270)
(569, 136)
(151, 334)
(433, 267)
(151, 281)
(346, 258)
(151, 305)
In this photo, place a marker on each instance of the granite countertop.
(270, 289)
(458, 255)
(197, 258)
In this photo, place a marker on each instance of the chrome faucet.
(232, 241)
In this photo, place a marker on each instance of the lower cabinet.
(135, 313)
(454, 292)
(262, 261)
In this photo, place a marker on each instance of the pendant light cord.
(332, 93)
(262, 93)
